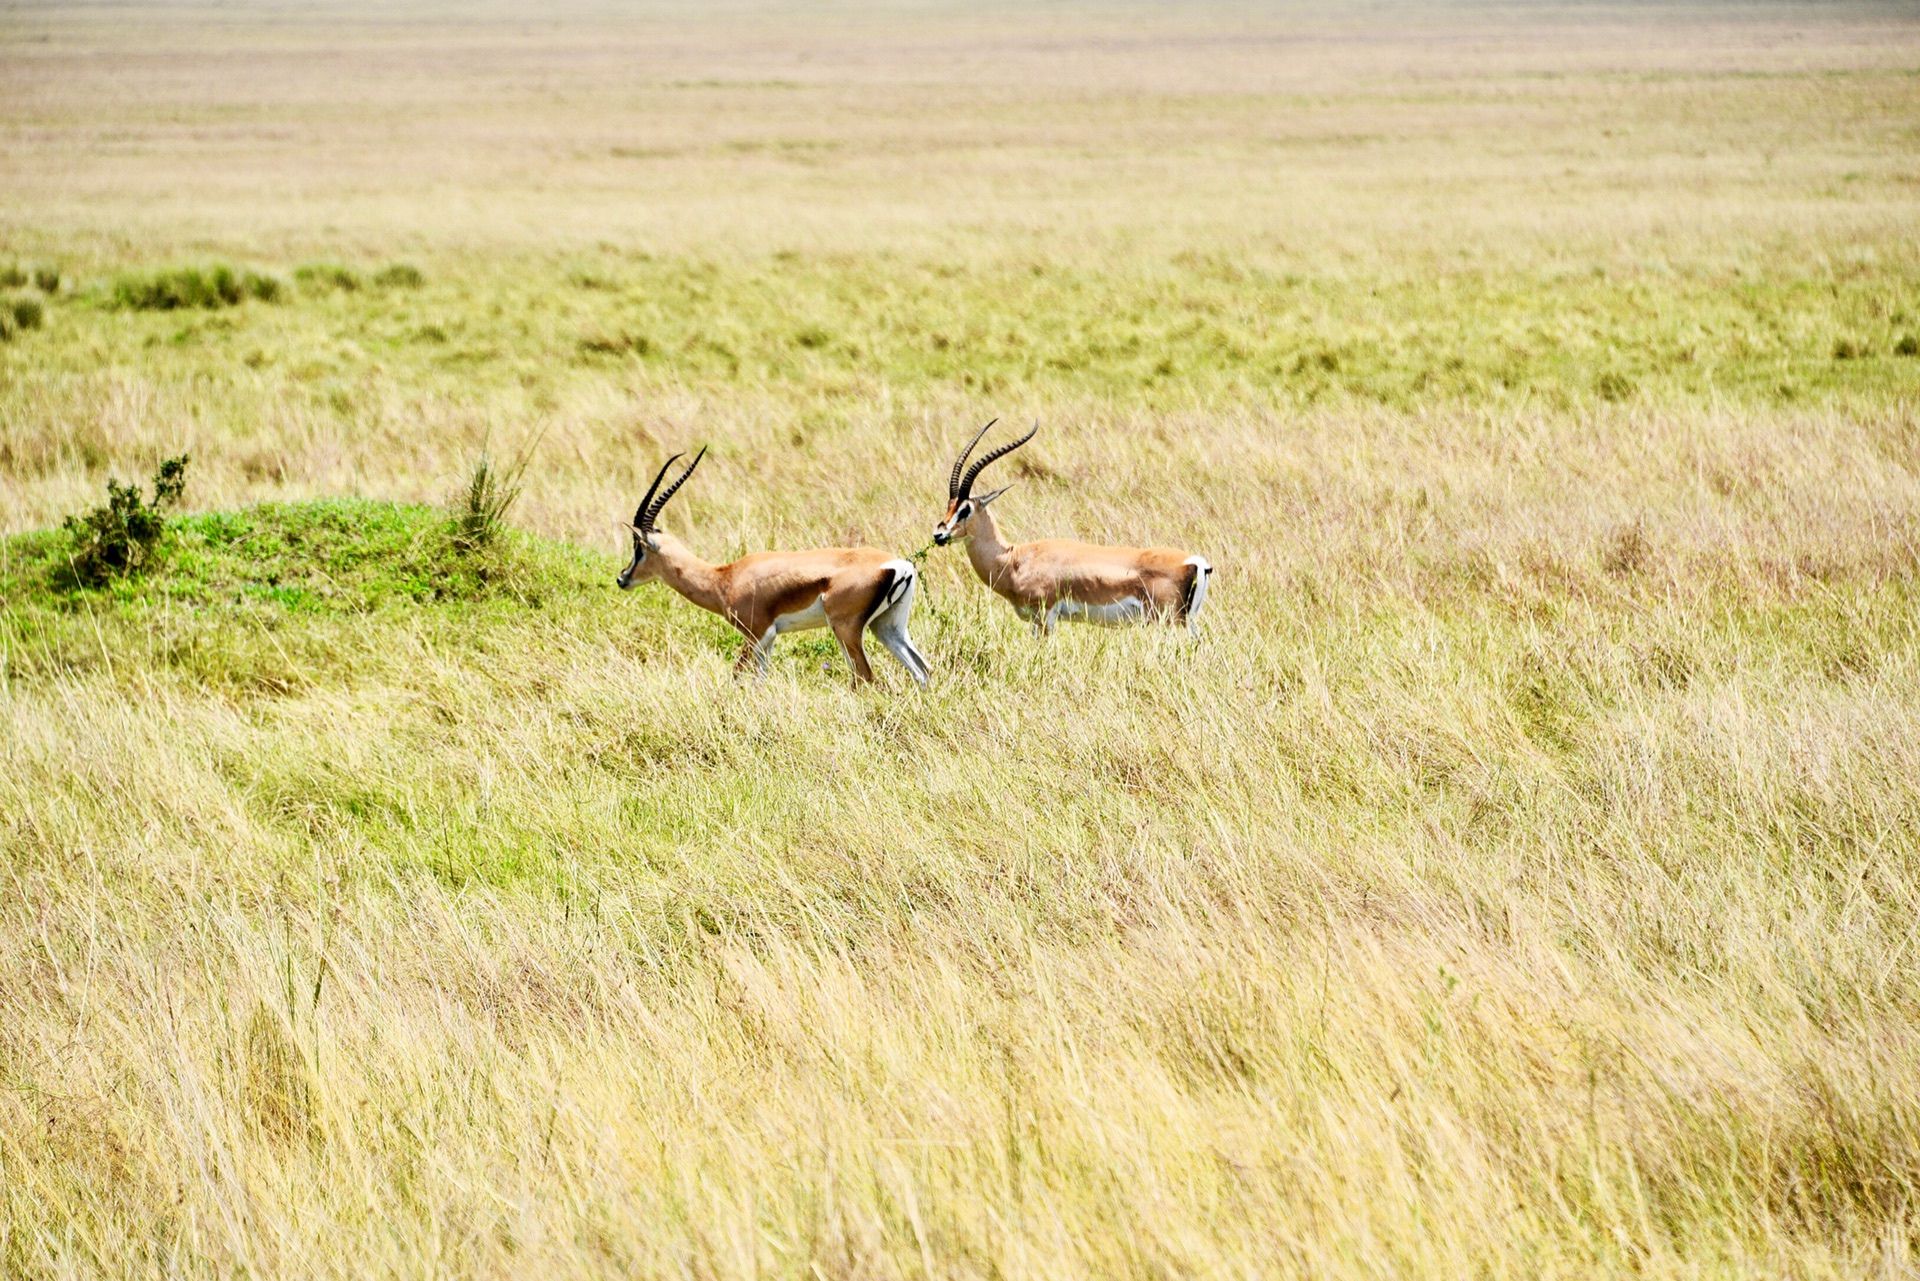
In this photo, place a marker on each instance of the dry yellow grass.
(1519, 879)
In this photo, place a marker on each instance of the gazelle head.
(644, 566)
(962, 503)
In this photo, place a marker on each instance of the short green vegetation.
(492, 490)
(1192, 329)
(122, 537)
(173, 289)
(263, 598)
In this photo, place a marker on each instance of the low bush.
(604, 344)
(11, 277)
(328, 275)
(399, 275)
(27, 313)
(122, 537)
(1614, 385)
(184, 287)
(46, 278)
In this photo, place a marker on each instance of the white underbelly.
(1130, 609)
(814, 615)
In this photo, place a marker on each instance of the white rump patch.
(889, 622)
(1203, 572)
(901, 589)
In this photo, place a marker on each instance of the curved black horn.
(973, 472)
(670, 490)
(640, 512)
(953, 481)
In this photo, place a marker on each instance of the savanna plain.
(1519, 876)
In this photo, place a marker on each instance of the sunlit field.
(1519, 877)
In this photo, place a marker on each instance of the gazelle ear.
(981, 500)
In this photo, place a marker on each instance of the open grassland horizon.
(1518, 878)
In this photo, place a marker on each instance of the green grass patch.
(332, 556)
(179, 288)
(319, 276)
(1192, 328)
(280, 595)
(399, 275)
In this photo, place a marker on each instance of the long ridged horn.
(658, 503)
(953, 481)
(973, 472)
(640, 512)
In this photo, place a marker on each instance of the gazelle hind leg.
(848, 633)
(889, 624)
(890, 629)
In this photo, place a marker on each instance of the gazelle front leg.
(759, 648)
(754, 658)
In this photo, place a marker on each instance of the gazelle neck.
(687, 574)
(985, 548)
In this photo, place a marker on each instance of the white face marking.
(949, 529)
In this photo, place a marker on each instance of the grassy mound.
(270, 597)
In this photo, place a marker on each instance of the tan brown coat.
(852, 590)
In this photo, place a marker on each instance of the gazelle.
(1056, 578)
(853, 590)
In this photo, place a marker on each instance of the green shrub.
(490, 493)
(1848, 349)
(1613, 385)
(399, 275)
(328, 275)
(1908, 345)
(11, 277)
(182, 287)
(263, 288)
(28, 313)
(122, 537)
(46, 278)
(602, 344)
